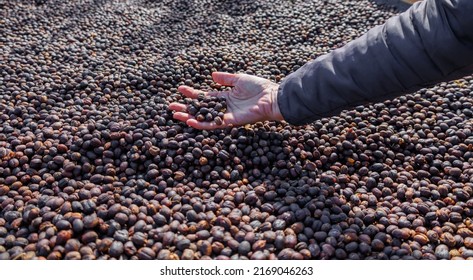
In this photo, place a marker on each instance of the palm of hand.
(251, 99)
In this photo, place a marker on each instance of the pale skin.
(249, 100)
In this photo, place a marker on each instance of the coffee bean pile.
(93, 166)
(208, 108)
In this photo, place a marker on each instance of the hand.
(251, 99)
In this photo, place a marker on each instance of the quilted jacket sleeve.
(429, 43)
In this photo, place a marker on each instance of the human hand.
(251, 99)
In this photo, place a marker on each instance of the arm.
(429, 43)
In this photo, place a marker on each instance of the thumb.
(225, 79)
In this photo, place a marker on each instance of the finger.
(178, 107)
(183, 117)
(225, 79)
(190, 92)
(203, 125)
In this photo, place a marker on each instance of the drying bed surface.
(93, 166)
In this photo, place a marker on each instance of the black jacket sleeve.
(429, 43)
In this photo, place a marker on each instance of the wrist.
(276, 112)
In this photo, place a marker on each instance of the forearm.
(429, 43)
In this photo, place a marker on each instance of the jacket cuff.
(291, 103)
